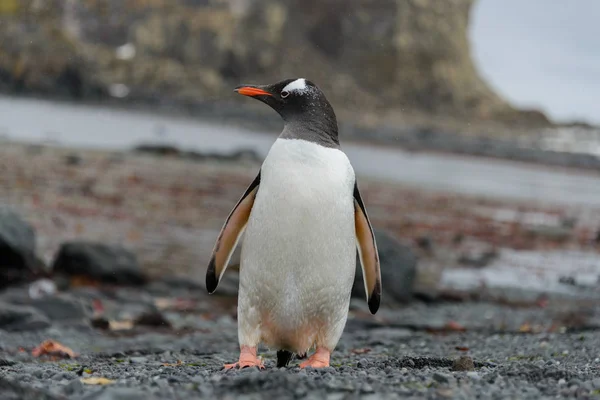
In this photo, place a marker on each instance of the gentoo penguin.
(304, 220)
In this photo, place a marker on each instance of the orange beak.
(251, 91)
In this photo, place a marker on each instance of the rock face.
(376, 55)
(398, 270)
(18, 262)
(101, 262)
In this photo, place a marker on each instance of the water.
(99, 127)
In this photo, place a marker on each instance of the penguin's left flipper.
(230, 235)
(367, 251)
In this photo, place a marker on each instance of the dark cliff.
(379, 57)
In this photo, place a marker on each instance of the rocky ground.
(168, 341)
(107, 258)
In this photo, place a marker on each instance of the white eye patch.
(298, 86)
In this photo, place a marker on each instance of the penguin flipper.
(367, 251)
(230, 235)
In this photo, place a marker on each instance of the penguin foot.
(248, 358)
(320, 359)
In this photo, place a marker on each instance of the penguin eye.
(285, 94)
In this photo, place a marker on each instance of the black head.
(302, 106)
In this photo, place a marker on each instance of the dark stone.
(73, 159)
(15, 318)
(398, 269)
(100, 323)
(61, 307)
(111, 264)
(153, 319)
(425, 243)
(18, 262)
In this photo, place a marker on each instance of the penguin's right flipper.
(230, 235)
(367, 251)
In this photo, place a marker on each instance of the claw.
(241, 365)
(320, 359)
(248, 358)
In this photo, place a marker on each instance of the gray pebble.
(73, 387)
(474, 375)
(366, 388)
(441, 378)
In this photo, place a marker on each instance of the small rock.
(588, 386)
(573, 389)
(596, 383)
(476, 253)
(398, 269)
(73, 159)
(474, 375)
(441, 378)
(100, 323)
(112, 264)
(425, 242)
(445, 393)
(73, 387)
(138, 360)
(463, 363)
(15, 318)
(366, 388)
(17, 250)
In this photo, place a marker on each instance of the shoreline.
(409, 137)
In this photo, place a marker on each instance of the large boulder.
(398, 270)
(18, 262)
(111, 264)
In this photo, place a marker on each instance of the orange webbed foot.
(248, 358)
(320, 359)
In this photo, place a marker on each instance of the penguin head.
(299, 102)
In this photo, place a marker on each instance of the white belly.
(299, 251)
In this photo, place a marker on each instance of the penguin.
(303, 220)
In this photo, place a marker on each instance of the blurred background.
(472, 126)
